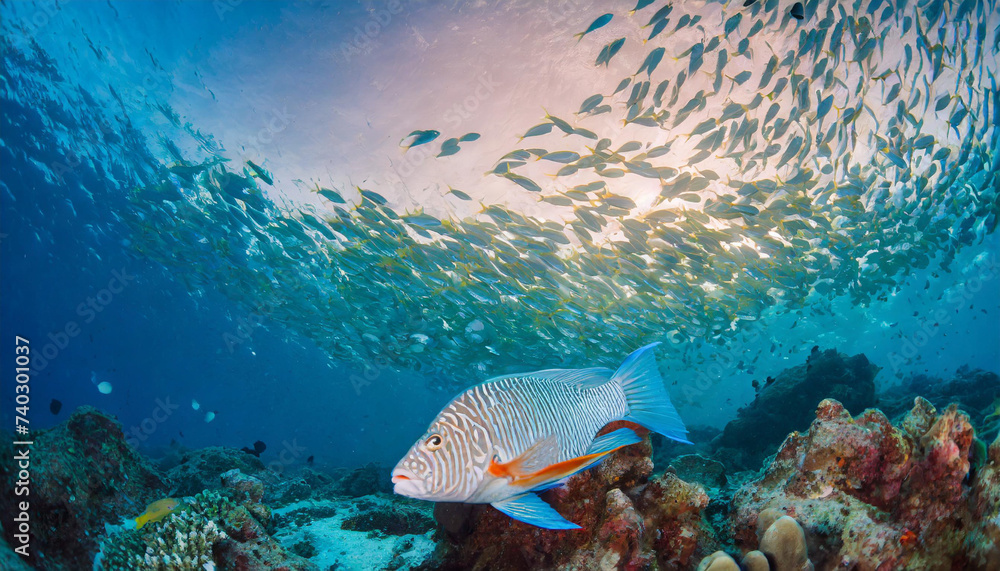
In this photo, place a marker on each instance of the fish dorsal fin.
(583, 378)
(529, 508)
(542, 453)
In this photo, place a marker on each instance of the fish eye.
(434, 442)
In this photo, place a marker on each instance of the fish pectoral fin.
(542, 453)
(530, 508)
(560, 470)
(598, 450)
(550, 485)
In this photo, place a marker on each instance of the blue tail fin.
(648, 401)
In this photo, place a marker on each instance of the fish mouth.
(406, 484)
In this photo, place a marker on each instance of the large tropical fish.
(503, 441)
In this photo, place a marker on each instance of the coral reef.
(364, 481)
(695, 468)
(202, 469)
(339, 482)
(975, 391)
(629, 521)
(983, 540)
(850, 492)
(782, 548)
(785, 403)
(83, 475)
(225, 528)
(784, 543)
(182, 542)
(872, 495)
(399, 519)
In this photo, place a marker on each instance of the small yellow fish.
(156, 511)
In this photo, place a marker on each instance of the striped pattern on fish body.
(502, 418)
(502, 440)
(516, 412)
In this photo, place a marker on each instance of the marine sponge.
(181, 542)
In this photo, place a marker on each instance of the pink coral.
(870, 495)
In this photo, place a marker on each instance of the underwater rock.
(364, 481)
(398, 518)
(304, 484)
(628, 521)
(202, 469)
(290, 491)
(673, 510)
(870, 494)
(249, 492)
(249, 547)
(249, 487)
(84, 475)
(695, 468)
(665, 449)
(372, 532)
(977, 393)
(786, 403)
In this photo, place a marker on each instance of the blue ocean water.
(92, 100)
(211, 207)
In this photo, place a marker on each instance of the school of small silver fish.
(826, 149)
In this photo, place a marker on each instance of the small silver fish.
(505, 440)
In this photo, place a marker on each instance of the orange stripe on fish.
(551, 473)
